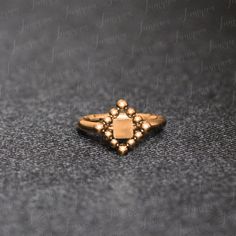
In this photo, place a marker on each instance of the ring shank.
(89, 122)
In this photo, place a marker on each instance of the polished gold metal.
(122, 126)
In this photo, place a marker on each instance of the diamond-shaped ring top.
(123, 127)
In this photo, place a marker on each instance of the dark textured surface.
(60, 61)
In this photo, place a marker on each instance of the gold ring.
(122, 126)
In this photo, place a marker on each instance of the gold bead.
(99, 127)
(130, 111)
(138, 135)
(122, 149)
(107, 120)
(114, 143)
(131, 142)
(138, 119)
(122, 104)
(108, 134)
(114, 112)
(145, 126)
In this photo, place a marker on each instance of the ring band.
(90, 122)
(122, 126)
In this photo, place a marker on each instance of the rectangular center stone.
(123, 127)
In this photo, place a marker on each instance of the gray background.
(60, 60)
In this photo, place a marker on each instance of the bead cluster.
(140, 127)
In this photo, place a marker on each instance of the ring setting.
(122, 127)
